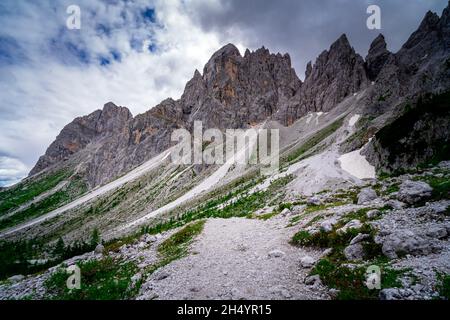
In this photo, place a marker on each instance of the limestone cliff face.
(336, 74)
(112, 121)
(418, 137)
(236, 91)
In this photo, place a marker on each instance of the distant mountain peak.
(377, 56)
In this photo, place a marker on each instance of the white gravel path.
(230, 260)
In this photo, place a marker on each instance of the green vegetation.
(351, 281)
(16, 256)
(105, 279)
(440, 185)
(444, 285)
(73, 190)
(334, 270)
(176, 246)
(23, 192)
(313, 141)
(235, 204)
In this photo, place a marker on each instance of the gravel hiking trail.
(237, 258)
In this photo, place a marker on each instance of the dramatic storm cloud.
(306, 28)
(137, 53)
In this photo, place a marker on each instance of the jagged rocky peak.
(444, 25)
(111, 120)
(238, 91)
(429, 25)
(377, 57)
(308, 69)
(222, 64)
(336, 74)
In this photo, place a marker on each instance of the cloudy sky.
(137, 53)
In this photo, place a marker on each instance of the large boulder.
(354, 252)
(366, 195)
(412, 192)
(403, 241)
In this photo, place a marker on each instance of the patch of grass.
(323, 239)
(313, 220)
(266, 216)
(105, 279)
(392, 188)
(296, 219)
(360, 215)
(319, 207)
(175, 247)
(283, 206)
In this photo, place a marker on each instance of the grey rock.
(395, 204)
(337, 73)
(313, 280)
(307, 261)
(354, 252)
(444, 165)
(99, 249)
(142, 245)
(327, 252)
(327, 225)
(150, 238)
(333, 293)
(276, 254)
(360, 237)
(414, 191)
(371, 214)
(437, 232)
(377, 57)
(390, 294)
(161, 275)
(314, 201)
(17, 278)
(366, 195)
(404, 242)
(134, 279)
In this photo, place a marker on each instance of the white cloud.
(11, 171)
(45, 91)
